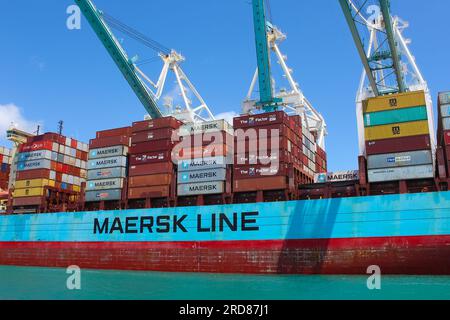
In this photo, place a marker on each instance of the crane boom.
(94, 17)
(267, 100)
(386, 11)
(382, 65)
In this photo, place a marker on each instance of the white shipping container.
(105, 184)
(206, 127)
(55, 147)
(68, 142)
(402, 173)
(402, 159)
(446, 123)
(201, 188)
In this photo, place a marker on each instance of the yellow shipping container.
(30, 192)
(395, 102)
(35, 183)
(398, 130)
(76, 188)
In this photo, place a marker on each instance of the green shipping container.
(395, 116)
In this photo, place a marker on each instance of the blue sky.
(49, 73)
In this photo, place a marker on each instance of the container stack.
(5, 167)
(309, 156)
(107, 169)
(398, 138)
(51, 170)
(152, 174)
(444, 127)
(204, 171)
(321, 161)
(268, 153)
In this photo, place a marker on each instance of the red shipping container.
(150, 157)
(259, 171)
(153, 135)
(126, 131)
(167, 122)
(151, 146)
(153, 168)
(27, 201)
(202, 152)
(34, 146)
(405, 144)
(207, 139)
(276, 156)
(109, 142)
(149, 192)
(150, 180)
(262, 119)
(282, 144)
(261, 184)
(33, 174)
(446, 138)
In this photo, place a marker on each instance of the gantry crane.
(293, 101)
(389, 66)
(137, 79)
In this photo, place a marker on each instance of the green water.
(47, 283)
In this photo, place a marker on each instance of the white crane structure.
(292, 101)
(187, 113)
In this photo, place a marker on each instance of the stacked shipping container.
(204, 175)
(5, 167)
(444, 127)
(152, 174)
(107, 168)
(50, 167)
(268, 157)
(397, 133)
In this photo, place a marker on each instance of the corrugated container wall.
(107, 165)
(398, 140)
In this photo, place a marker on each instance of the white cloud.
(228, 116)
(10, 113)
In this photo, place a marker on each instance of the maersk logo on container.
(399, 159)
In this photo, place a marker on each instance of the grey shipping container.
(105, 184)
(105, 195)
(203, 164)
(203, 188)
(403, 159)
(108, 173)
(108, 152)
(444, 98)
(31, 165)
(35, 155)
(107, 163)
(402, 173)
(202, 176)
(445, 110)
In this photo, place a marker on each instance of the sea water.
(51, 283)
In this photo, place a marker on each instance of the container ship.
(190, 193)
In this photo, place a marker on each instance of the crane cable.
(136, 35)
